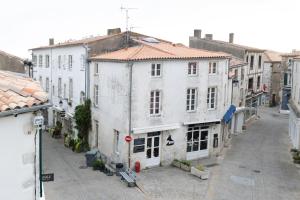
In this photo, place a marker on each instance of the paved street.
(72, 182)
(258, 164)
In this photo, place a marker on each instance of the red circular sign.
(128, 138)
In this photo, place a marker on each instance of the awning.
(156, 128)
(229, 114)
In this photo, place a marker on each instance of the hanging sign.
(170, 141)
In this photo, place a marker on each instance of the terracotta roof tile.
(160, 50)
(272, 56)
(19, 92)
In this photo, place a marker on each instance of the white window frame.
(155, 106)
(212, 67)
(116, 141)
(59, 62)
(96, 95)
(156, 70)
(212, 105)
(40, 60)
(70, 89)
(47, 85)
(96, 69)
(47, 61)
(34, 60)
(59, 87)
(70, 62)
(192, 68)
(191, 99)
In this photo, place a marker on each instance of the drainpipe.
(87, 71)
(129, 64)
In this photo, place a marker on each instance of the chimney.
(209, 36)
(197, 33)
(231, 37)
(113, 31)
(51, 41)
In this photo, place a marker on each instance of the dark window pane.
(204, 135)
(196, 136)
(189, 147)
(203, 145)
(139, 141)
(149, 142)
(148, 153)
(156, 141)
(195, 146)
(138, 149)
(156, 152)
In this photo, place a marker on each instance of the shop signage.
(170, 141)
(47, 177)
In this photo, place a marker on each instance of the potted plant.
(200, 171)
(297, 159)
(185, 165)
(96, 164)
(176, 163)
(101, 165)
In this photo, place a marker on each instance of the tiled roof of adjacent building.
(11, 56)
(234, 62)
(158, 50)
(294, 53)
(19, 92)
(272, 56)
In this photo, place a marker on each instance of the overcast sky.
(268, 24)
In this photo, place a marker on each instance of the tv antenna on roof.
(127, 21)
(127, 15)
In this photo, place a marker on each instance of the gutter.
(24, 110)
(129, 64)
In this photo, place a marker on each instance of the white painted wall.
(17, 169)
(294, 121)
(239, 98)
(112, 111)
(76, 73)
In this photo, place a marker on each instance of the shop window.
(138, 145)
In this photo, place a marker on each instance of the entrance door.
(197, 142)
(153, 149)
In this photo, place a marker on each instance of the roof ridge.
(10, 55)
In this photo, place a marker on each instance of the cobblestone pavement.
(74, 182)
(258, 164)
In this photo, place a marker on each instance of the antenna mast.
(127, 22)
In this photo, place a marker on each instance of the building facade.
(272, 75)
(62, 70)
(168, 98)
(294, 117)
(20, 101)
(286, 77)
(250, 55)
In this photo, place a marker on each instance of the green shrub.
(186, 162)
(78, 146)
(200, 167)
(72, 144)
(67, 141)
(98, 164)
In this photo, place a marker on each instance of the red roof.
(160, 50)
(19, 92)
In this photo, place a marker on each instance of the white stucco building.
(20, 101)
(294, 117)
(169, 98)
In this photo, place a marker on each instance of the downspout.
(130, 64)
(87, 72)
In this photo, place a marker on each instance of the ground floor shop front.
(187, 142)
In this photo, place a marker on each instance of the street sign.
(128, 138)
(47, 177)
(38, 120)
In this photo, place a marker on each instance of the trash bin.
(119, 168)
(90, 157)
